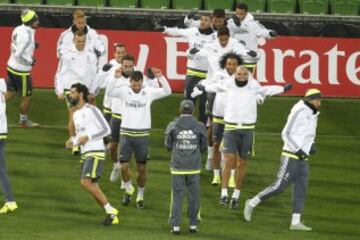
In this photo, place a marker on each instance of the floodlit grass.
(52, 205)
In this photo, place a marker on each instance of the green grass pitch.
(52, 205)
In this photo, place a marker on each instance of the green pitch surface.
(52, 205)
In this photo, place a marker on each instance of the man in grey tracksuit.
(187, 139)
(298, 136)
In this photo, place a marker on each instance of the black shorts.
(19, 82)
(115, 124)
(210, 103)
(218, 132)
(137, 145)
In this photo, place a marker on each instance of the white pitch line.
(160, 129)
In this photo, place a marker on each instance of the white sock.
(254, 201)
(295, 218)
(23, 117)
(216, 172)
(224, 192)
(236, 194)
(232, 173)
(108, 208)
(128, 186)
(210, 152)
(176, 228)
(140, 193)
(117, 164)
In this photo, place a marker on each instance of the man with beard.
(91, 127)
(93, 43)
(20, 64)
(240, 119)
(299, 142)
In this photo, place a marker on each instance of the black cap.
(186, 106)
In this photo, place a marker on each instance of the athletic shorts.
(115, 124)
(19, 82)
(137, 145)
(107, 114)
(218, 132)
(92, 166)
(239, 140)
(210, 102)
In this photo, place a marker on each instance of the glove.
(236, 21)
(252, 53)
(107, 67)
(242, 42)
(312, 149)
(196, 92)
(192, 14)
(33, 62)
(273, 33)
(150, 74)
(260, 99)
(301, 154)
(97, 53)
(194, 51)
(37, 45)
(200, 87)
(287, 87)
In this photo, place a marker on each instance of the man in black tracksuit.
(187, 139)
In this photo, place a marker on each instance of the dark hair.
(243, 6)
(230, 55)
(219, 13)
(119, 45)
(136, 76)
(223, 31)
(128, 57)
(81, 88)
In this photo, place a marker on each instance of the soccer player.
(240, 120)
(76, 66)
(248, 31)
(185, 137)
(196, 68)
(91, 127)
(20, 64)
(93, 43)
(135, 128)
(10, 204)
(299, 142)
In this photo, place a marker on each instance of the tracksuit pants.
(4, 180)
(291, 171)
(181, 183)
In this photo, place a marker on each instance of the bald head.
(242, 73)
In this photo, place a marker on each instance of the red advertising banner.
(329, 64)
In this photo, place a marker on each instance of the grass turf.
(52, 205)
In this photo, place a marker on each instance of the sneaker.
(28, 124)
(111, 219)
(8, 207)
(115, 173)
(128, 196)
(193, 229)
(234, 203)
(175, 230)
(224, 200)
(216, 181)
(248, 211)
(208, 165)
(76, 151)
(231, 183)
(299, 227)
(140, 203)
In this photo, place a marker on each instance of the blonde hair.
(78, 14)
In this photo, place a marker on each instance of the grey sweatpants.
(4, 180)
(180, 183)
(291, 171)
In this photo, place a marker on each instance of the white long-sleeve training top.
(137, 112)
(197, 40)
(22, 48)
(3, 120)
(90, 122)
(241, 102)
(75, 67)
(214, 51)
(93, 41)
(300, 129)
